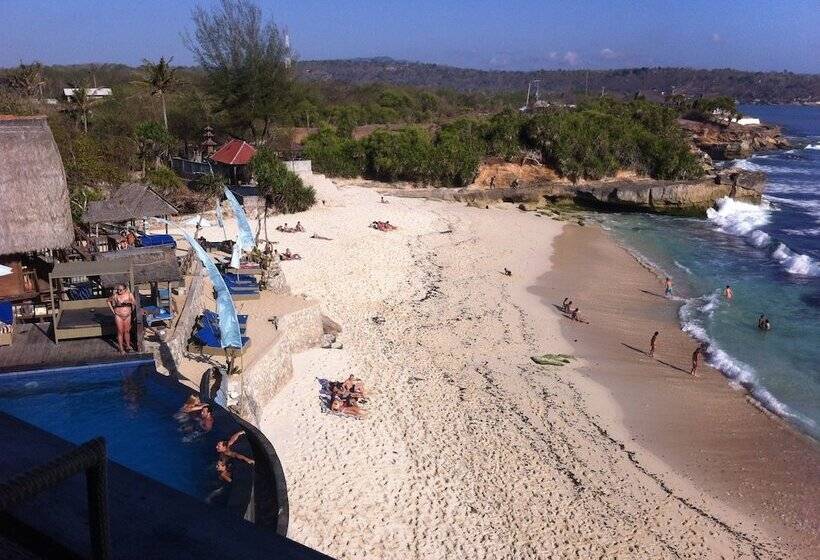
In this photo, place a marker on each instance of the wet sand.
(471, 450)
(708, 432)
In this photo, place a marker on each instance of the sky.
(501, 34)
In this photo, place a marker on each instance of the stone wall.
(170, 351)
(300, 166)
(260, 382)
(303, 327)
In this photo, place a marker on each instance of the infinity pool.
(136, 410)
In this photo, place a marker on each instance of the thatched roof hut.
(150, 264)
(34, 208)
(129, 202)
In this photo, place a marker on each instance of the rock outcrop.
(732, 140)
(689, 198)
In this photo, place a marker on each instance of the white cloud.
(571, 58)
(609, 54)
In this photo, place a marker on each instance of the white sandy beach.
(470, 450)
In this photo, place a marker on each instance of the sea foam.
(693, 314)
(742, 219)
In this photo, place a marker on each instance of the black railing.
(90, 457)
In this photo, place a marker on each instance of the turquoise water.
(770, 255)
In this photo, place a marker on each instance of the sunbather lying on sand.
(317, 236)
(288, 256)
(354, 386)
(347, 407)
(383, 226)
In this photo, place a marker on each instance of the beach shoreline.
(470, 449)
(706, 429)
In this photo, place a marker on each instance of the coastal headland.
(470, 448)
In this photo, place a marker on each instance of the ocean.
(770, 255)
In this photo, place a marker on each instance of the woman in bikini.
(121, 303)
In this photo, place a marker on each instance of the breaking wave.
(743, 220)
(692, 316)
(812, 147)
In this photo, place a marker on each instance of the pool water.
(134, 409)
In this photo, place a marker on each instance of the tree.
(79, 104)
(153, 142)
(247, 65)
(27, 80)
(280, 187)
(160, 79)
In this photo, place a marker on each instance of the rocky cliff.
(733, 141)
(690, 198)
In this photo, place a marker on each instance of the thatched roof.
(34, 209)
(129, 202)
(151, 264)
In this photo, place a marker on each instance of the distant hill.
(763, 87)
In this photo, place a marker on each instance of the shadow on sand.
(667, 364)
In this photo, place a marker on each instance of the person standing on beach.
(652, 345)
(668, 292)
(727, 292)
(696, 360)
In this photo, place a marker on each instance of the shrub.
(281, 188)
(165, 180)
(335, 155)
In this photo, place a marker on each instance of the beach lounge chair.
(242, 286)
(206, 340)
(156, 240)
(6, 322)
(212, 318)
(159, 312)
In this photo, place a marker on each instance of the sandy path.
(470, 450)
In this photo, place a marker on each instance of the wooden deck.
(33, 347)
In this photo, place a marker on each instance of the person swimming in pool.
(226, 453)
(121, 304)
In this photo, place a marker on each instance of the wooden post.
(138, 314)
(53, 308)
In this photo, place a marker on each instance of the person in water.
(121, 304)
(226, 453)
(763, 323)
(696, 361)
(206, 418)
(727, 292)
(652, 344)
(668, 291)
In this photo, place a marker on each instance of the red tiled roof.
(234, 152)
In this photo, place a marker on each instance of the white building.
(96, 92)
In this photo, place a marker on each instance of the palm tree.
(160, 79)
(80, 102)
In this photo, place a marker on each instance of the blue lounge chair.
(207, 341)
(7, 320)
(212, 319)
(80, 291)
(157, 240)
(154, 315)
(241, 286)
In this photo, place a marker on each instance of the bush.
(165, 180)
(209, 185)
(281, 188)
(335, 155)
(404, 155)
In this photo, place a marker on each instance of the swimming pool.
(135, 409)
